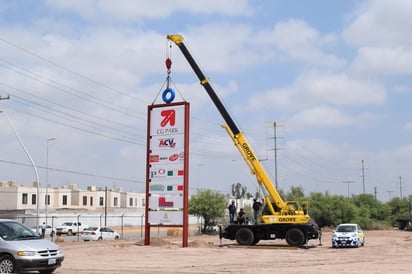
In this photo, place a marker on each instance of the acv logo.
(167, 143)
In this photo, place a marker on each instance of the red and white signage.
(167, 163)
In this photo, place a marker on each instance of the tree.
(240, 192)
(209, 205)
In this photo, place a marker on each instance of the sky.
(333, 76)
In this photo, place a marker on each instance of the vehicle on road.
(49, 230)
(97, 233)
(22, 250)
(71, 228)
(348, 235)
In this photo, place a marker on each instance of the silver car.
(23, 250)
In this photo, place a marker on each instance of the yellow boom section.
(256, 168)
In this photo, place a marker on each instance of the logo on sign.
(156, 158)
(169, 117)
(167, 142)
(161, 173)
(164, 203)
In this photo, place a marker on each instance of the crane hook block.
(168, 63)
(168, 95)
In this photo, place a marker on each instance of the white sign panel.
(166, 217)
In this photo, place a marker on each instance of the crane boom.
(289, 216)
(232, 129)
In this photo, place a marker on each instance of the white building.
(14, 197)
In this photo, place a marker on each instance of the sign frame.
(167, 112)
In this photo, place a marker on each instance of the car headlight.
(334, 235)
(26, 253)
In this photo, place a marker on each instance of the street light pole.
(47, 175)
(34, 167)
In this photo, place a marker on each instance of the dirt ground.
(385, 251)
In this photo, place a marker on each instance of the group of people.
(241, 216)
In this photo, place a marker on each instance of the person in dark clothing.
(256, 207)
(241, 218)
(232, 212)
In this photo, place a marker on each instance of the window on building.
(85, 200)
(91, 201)
(130, 201)
(115, 201)
(143, 202)
(101, 201)
(64, 199)
(135, 201)
(33, 199)
(47, 199)
(24, 199)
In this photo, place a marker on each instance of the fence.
(124, 224)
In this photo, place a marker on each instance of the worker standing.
(43, 229)
(256, 207)
(232, 212)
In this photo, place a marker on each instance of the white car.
(24, 251)
(97, 233)
(49, 230)
(348, 235)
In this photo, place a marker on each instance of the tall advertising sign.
(167, 167)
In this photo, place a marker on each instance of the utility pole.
(348, 182)
(275, 149)
(363, 176)
(400, 186)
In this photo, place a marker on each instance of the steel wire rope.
(78, 128)
(37, 75)
(75, 172)
(74, 92)
(66, 69)
(86, 123)
(69, 70)
(70, 109)
(309, 175)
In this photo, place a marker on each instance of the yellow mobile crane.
(279, 219)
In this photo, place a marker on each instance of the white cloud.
(320, 117)
(303, 43)
(380, 23)
(317, 88)
(383, 61)
(131, 10)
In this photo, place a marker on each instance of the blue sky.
(334, 76)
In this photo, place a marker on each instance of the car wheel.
(70, 233)
(295, 237)
(7, 264)
(117, 238)
(47, 271)
(245, 236)
(363, 242)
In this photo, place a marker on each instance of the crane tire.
(295, 237)
(245, 236)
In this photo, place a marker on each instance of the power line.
(77, 172)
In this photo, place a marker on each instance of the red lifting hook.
(168, 64)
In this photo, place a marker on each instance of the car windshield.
(92, 228)
(346, 228)
(10, 231)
